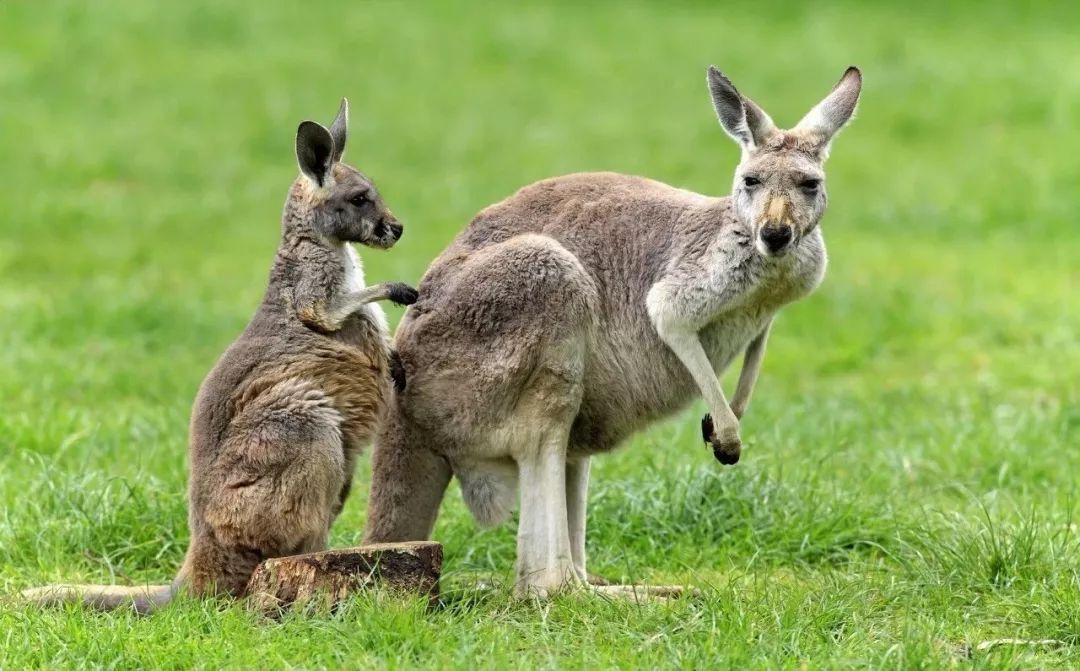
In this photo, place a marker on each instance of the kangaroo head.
(338, 204)
(779, 189)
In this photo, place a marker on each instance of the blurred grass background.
(909, 486)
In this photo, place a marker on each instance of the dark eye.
(359, 200)
(750, 180)
(810, 184)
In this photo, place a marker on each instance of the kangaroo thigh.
(280, 473)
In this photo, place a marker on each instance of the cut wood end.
(333, 575)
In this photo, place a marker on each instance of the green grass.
(910, 483)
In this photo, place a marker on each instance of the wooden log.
(326, 578)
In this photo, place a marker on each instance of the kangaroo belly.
(634, 379)
(727, 337)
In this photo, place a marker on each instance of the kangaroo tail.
(143, 600)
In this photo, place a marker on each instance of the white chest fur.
(767, 286)
(725, 298)
(354, 281)
(354, 270)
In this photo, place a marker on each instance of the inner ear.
(760, 124)
(741, 117)
(339, 130)
(314, 151)
(830, 115)
(729, 108)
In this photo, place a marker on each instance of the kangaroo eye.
(810, 184)
(358, 200)
(750, 180)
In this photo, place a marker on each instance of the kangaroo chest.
(636, 379)
(767, 286)
(369, 321)
(727, 337)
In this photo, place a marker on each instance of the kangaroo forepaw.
(726, 448)
(397, 371)
(400, 293)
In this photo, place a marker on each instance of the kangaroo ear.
(314, 151)
(339, 130)
(743, 120)
(830, 115)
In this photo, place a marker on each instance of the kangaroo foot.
(596, 580)
(546, 582)
(646, 593)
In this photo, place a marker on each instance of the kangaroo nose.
(397, 230)
(776, 237)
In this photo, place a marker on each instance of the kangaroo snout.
(386, 232)
(776, 238)
(396, 230)
(776, 226)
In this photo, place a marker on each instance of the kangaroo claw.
(727, 449)
(402, 294)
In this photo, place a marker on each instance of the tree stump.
(326, 578)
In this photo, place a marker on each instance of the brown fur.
(278, 423)
(580, 310)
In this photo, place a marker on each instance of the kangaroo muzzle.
(777, 229)
(776, 238)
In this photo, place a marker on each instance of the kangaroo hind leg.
(278, 481)
(539, 431)
(544, 563)
(408, 481)
(577, 489)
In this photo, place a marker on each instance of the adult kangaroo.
(278, 422)
(585, 307)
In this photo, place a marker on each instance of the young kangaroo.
(278, 422)
(581, 309)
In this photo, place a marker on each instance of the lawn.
(909, 486)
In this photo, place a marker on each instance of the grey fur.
(339, 129)
(314, 151)
(741, 117)
(832, 113)
(578, 311)
(279, 421)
